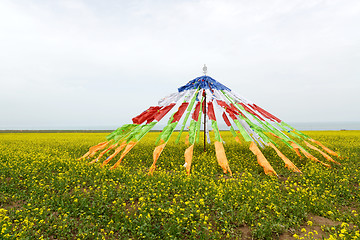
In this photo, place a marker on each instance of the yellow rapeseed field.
(46, 193)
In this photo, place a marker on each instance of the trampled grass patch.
(45, 192)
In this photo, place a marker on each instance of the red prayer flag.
(180, 112)
(196, 112)
(146, 115)
(251, 111)
(232, 111)
(266, 113)
(226, 119)
(162, 112)
(211, 112)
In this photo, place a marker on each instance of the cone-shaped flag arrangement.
(199, 100)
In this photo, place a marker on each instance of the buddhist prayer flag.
(248, 123)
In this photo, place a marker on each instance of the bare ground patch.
(315, 227)
(245, 232)
(13, 205)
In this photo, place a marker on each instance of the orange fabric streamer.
(117, 151)
(288, 164)
(129, 146)
(103, 152)
(94, 149)
(262, 160)
(221, 157)
(325, 148)
(98, 148)
(322, 153)
(188, 158)
(308, 155)
(187, 139)
(296, 149)
(237, 139)
(156, 155)
(275, 135)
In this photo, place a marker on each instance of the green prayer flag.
(232, 130)
(192, 132)
(216, 131)
(243, 132)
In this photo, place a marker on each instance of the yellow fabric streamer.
(308, 155)
(221, 157)
(117, 151)
(288, 164)
(188, 158)
(262, 160)
(128, 147)
(325, 148)
(156, 155)
(322, 153)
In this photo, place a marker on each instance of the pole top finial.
(205, 69)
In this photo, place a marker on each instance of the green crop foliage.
(46, 193)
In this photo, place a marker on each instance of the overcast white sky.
(66, 64)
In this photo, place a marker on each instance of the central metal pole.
(204, 121)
